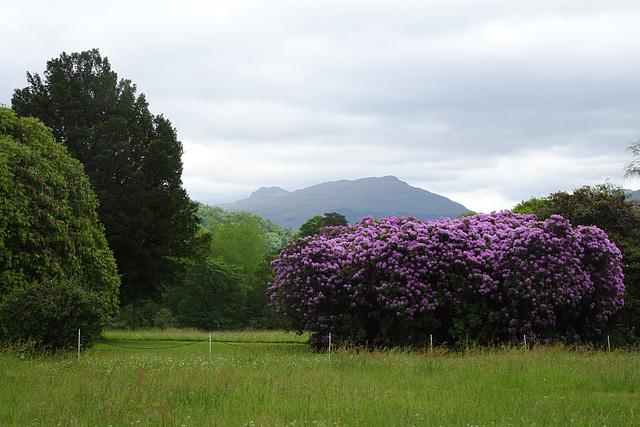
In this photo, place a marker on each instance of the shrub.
(50, 314)
(164, 319)
(485, 278)
(213, 297)
(49, 233)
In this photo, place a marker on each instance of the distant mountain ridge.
(379, 197)
(633, 195)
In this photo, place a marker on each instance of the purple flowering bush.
(486, 278)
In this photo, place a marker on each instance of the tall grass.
(287, 384)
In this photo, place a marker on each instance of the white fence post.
(78, 343)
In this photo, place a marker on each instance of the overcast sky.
(486, 102)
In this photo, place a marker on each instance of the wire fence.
(331, 344)
(210, 340)
(151, 348)
(433, 344)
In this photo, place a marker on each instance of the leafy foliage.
(277, 237)
(133, 161)
(49, 232)
(50, 313)
(487, 278)
(311, 227)
(240, 243)
(227, 290)
(48, 223)
(214, 296)
(318, 222)
(533, 205)
(632, 169)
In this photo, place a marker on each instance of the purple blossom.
(381, 281)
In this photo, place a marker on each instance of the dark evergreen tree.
(133, 160)
(333, 219)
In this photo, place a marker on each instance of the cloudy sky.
(486, 102)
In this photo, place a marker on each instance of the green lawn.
(245, 382)
(173, 334)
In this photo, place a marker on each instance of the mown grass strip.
(174, 334)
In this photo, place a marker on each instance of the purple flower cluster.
(488, 278)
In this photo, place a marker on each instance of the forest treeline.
(226, 289)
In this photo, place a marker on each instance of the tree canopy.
(632, 169)
(132, 159)
(227, 289)
(318, 222)
(48, 222)
(277, 237)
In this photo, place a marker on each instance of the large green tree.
(276, 236)
(51, 241)
(48, 222)
(239, 243)
(133, 160)
(214, 296)
(227, 289)
(313, 225)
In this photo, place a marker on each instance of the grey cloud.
(491, 101)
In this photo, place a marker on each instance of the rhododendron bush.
(485, 278)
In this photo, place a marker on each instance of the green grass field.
(273, 379)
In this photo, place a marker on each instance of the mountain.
(633, 195)
(378, 197)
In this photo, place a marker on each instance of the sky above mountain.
(486, 102)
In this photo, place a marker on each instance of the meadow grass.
(187, 334)
(252, 384)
